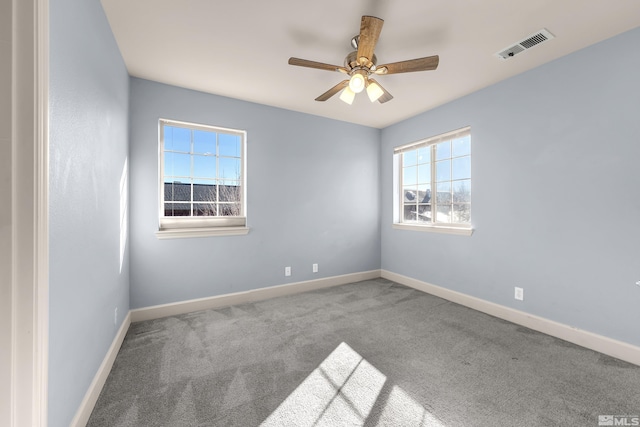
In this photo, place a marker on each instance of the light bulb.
(356, 83)
(374, 91)
(347, 95)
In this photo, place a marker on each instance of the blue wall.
(89, 98)
(313, 196)
(555, 200)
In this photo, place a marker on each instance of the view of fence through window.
(202, 172)
(443, 169)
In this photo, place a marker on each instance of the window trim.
(170, 227)
(448, 228)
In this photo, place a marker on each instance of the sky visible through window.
(201, 157)
(452, 162)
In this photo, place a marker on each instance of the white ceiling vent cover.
(526, 43)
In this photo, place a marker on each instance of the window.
(433, 183)
(202, 180)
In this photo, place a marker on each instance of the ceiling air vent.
(526, 43)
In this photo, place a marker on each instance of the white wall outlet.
(519, 295)
(287, 271)
(314, 267)
(115, 316)
(638, 283)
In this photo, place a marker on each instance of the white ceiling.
(240, 48)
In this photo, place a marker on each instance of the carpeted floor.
(368, 353)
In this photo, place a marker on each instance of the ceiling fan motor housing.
(351, 61)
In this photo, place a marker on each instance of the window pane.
(462, 191)
(229, 193)
(202, 171)
(410, 176)
(424, 174)
(228, 168)
(204, 142)
(443, 150)
(461, 167)
(204, 166)
(443, 171)
(177, 191)
(228, 182)
(229, 145)
(409, 213)
(444, 213)
(410, 158)
(424, 193)
(461, 213)
(204, 209)
(462, 146)
(424, 155)
(177, 209)
(424, 213)
(229, 209)
(443, 193)
(176, 164)
(204, 181)
(204, 193)
(177, 139)
(410, 194)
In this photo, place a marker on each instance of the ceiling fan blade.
(318, 65)
(337, 88)
(419, 64)
(370, 28)
(386, 96)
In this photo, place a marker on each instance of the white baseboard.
(614, 348)
(164, 310)
(92, 394)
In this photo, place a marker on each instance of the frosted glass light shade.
(374, 91)
(347, 95)
(356, 83)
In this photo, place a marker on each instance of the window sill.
(435, 229)
(185, 233)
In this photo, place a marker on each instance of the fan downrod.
(354, 41)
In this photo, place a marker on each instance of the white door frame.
(30, 214)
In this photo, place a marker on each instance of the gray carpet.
(372, 353)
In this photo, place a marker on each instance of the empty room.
(288, 213)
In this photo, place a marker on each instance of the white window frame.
(199, 226)
(398, 196)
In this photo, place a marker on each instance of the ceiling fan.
(362, 63)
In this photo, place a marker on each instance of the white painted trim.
(183, 233)
(164, 310)
(91, 396)
(30, 213)
(614, 348)
(460, 231)
(41, 268)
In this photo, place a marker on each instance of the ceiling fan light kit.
(347, 95)
(374, 91)
(356, 82)
(362, 63)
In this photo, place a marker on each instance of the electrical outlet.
(638, 283)
(287, 271)
(519, 295)
(315, 268)
(115, 316)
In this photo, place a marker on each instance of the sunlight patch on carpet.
(403, 410)
(343, 390)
